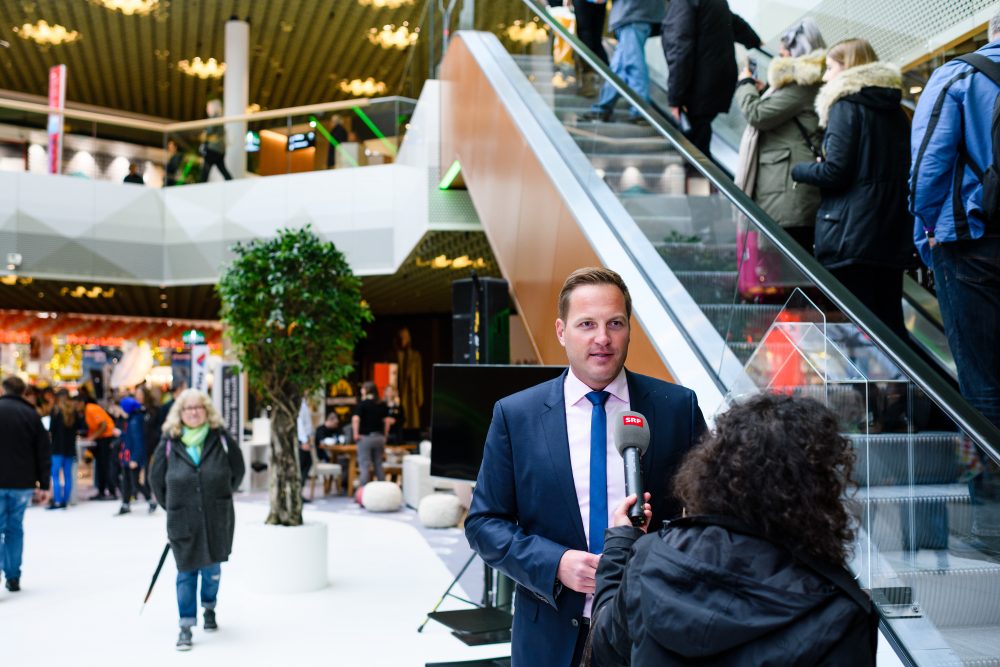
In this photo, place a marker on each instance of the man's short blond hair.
(592, 275)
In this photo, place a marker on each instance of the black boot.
(210, 625)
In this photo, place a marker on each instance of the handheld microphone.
(631, 441)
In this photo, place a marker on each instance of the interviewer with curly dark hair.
(755, 571)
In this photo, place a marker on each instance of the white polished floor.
(85, 573)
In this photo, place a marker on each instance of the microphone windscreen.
(631, 430)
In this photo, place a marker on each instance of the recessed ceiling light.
(129, 7)
(46, 34)
(366, 88)
(209, 69)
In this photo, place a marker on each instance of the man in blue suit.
(551, 475)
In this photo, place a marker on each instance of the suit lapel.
(553, 420)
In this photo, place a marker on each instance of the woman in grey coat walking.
(195, 471)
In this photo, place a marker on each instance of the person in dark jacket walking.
(701, 67)
(133, 453)
(754, 575)
(863, 224)
(64, 423)
(194, 474)
(24, 472)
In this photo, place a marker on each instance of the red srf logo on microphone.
(632, 420)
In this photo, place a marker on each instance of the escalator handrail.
(985, 434)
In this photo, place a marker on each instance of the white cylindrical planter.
(280, 559)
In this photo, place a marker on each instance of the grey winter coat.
(198, 499)
(780, 145)
(624, 12)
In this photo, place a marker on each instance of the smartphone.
(752, 66)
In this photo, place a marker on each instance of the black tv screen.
(462, 398)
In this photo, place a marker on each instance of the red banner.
(57, 102)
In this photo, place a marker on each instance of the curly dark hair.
(779, 465)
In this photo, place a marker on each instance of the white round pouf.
(440, 510)
(281, 559)
(381, 497)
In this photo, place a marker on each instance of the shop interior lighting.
(385, 4)
(210, 69)
(129, 7)
(527, 32)
(443, 262)
(391, 37)
(359, 112)
(334, 144)
(81, 291)
(367, 88)
(47, 35)
(449, 177)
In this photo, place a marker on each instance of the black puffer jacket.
(198, 499)
(863, 216)
(25, 452)
(698, 593)
(697, 43)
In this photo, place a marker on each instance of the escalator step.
(741, 322)
(709, 286)
(698, 256)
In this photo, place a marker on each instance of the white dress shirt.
(579, 411)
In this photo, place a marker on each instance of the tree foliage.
(293, 311)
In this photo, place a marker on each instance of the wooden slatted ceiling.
(115, 64)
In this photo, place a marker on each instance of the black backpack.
(991, 177)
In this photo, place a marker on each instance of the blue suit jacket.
(525, 512)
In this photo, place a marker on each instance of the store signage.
(57, 102)
(199, 367)
(227, 393)
(301, 140)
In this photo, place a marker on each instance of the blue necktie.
(598, 470)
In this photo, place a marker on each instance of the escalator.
(555, 192)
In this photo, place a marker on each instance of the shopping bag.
(562, 52)
(760, 270)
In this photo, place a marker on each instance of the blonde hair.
(173, 425)
(852, 52)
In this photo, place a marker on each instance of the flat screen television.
(462, 398)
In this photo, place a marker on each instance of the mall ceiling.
(418, 287)
(300, 50)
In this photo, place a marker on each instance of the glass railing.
(99, 146)
(928, 498)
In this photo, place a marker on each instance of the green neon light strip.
(333, 142)
(371, 126)
(453, 171)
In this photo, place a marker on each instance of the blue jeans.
(13, 502)
(62, 489)
(629, 64)
(967, 277)
(187, 584)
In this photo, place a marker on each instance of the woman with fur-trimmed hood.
(863, 224)
(782, 130)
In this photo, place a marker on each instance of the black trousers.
(700, 132)
(131, 487)
(590, 26)
(881, 289)
(104, 468)
(214, 159)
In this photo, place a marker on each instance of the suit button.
(575, 623)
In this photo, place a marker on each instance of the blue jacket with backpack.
(956, 105)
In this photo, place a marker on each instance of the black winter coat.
(198, 499)
(701, 68)
(863, 216)
(25, 451)
(703, 594)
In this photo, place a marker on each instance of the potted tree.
(293, 311)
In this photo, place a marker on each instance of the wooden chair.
(331, 473)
